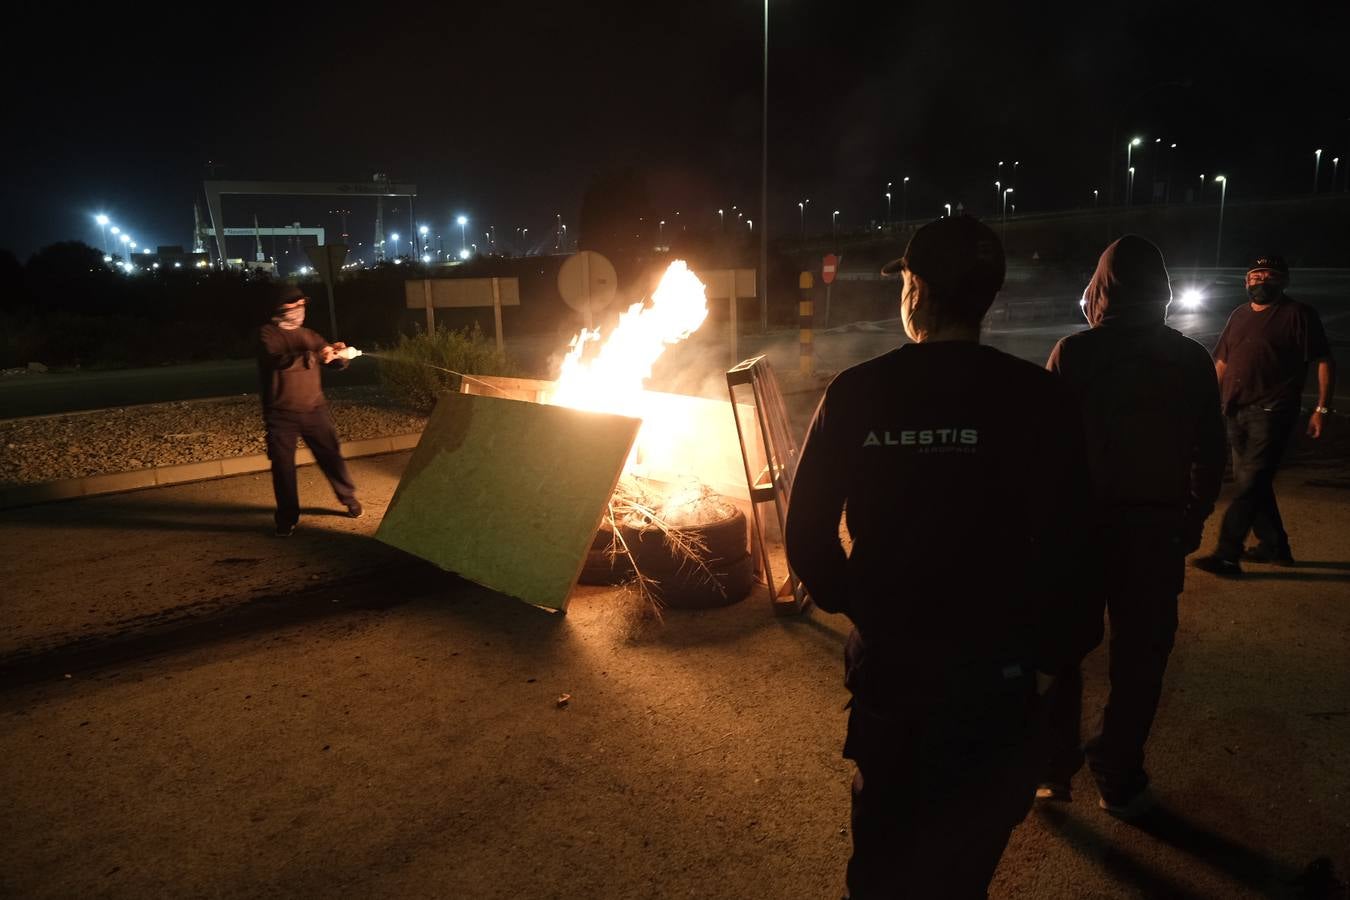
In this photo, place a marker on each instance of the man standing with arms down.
(1150, 412)
(289, 356)
(963, 478)
(1262, 362)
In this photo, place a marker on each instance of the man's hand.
(329, 352)
(1315, 423)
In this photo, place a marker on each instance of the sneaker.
(1133, 808)
(1054, 790)
(355, 510)
(1218, 565)
(1262, 553)
(285, 530)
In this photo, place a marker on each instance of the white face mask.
(290, 318)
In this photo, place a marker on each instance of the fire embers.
(688, 552)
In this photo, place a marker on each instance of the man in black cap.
(289, 356)
(1262, 363)
(1150, 411)
(964, 479)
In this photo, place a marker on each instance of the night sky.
(505, 112)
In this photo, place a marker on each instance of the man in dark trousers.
(1150, 410)
(1262, 362)
(963, 476)
(289, 356)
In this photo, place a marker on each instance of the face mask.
(290, 318)
(1264, 293)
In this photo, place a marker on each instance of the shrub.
(421, 367)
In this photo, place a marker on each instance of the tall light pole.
(948, 207)
(1167, 191)
(888, 204)
(1000, 170)
(721, 221)
(1201, 196)
(1095, 197)
(998, 191)
(1335, 169)
(1006, 192)
(1016, 163)
(462, 222)
(1223, 195)
(422, 232)
(394, 237)
(801, 207)
(558, 232)
(102, 221)
(1317, 167)
(764, 187)
(834, 224)
(904, 202)
(1129, 154)
(125, 239)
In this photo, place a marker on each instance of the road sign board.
(828, 267)
(327, 260)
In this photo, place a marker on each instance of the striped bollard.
(806, 314)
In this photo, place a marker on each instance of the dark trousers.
(1258, 438)
(316, 427)
(938, 793)
(1145, 569)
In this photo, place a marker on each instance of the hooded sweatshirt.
(1148, 396)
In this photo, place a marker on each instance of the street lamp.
(661, 231)
(1335, 168)
(998, 191)
(1317, 167)
(834, 224)
(1016, 163)
(394, 238)
(721, 221)
(557, 233)
(423, 232)
(948, 207)
(1223, 195)
(801, 207)
(1201, 196)
(1129, 152)
(125, 239)
(102, 221)
(461, 222)
(1006, 192)
(888, 204)
(904, 202)
(1095, 198)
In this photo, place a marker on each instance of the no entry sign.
(828, 268)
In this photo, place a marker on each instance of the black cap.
(1271, 262)
(290, 294)
(958, 255)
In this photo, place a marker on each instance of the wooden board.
(508, 493)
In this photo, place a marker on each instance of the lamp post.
(125, 239)
(834, 225)
(904, 202)
(1201, 196)
(721, 221)
(1223, 195)
(1129, 154)
(1006, 192)
(1167, 191)
(462, 222)
(948, 207)
(102, 221)
(1095, 198)
(998, 191)
(394, 237)
(801, 207)
(1016, 163)
(422, 232)
(888, 204)
(1000, 170)
(1335, 168)
(1317, 167)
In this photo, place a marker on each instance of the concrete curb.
(161, 476)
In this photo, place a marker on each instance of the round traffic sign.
(587, 282)
(828, 267)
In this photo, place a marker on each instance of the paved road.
(189, 706)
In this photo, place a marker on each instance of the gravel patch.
(125, 438)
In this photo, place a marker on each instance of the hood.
(1130, 285)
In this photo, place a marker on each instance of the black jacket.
(1149, 400)
(962, 472)
(288, 368)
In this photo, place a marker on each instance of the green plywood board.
(509, 493)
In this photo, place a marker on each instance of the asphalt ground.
(192, 707)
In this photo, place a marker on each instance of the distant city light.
(107, 259)
(462, 220)
(144, 250)
(464, 254)
(178, 265)
(101, 219)
(422, 231)
(116, 230)
(426, 258)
